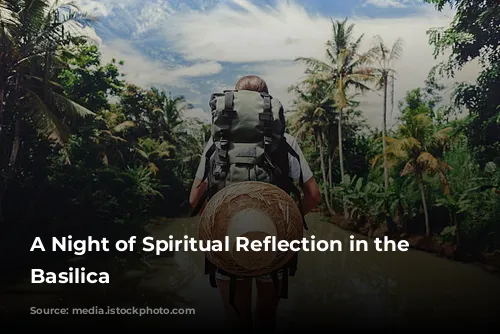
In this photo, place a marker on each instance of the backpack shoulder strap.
(267, 119)
(294, 189)
(285, 181)
(206, 193)
(226, 117)
(221, 146)
(294, 154)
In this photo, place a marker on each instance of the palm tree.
(385, 57)
(196, 135)
(172, 108)
(153, 152)
(313, 118)
(110, 138)
(419, 145)
(32, 33)
(343, 70)
(31, 49)
(170, 118)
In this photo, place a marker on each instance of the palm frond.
(8, 17)
(396, 50)
(443, 136)
(315, 63)
(47, 123)
(72, 108)
(408, 169)
(142, 153)
(428, 162)
(123, 126)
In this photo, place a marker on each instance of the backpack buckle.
(266, 117)
(223, 143)
(223, 154)
(267, 140)
(228, 113)
(219, 172)
(223, 148)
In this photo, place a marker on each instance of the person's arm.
(312, 196)
(198, 188)
(310, 188)
(197, 191)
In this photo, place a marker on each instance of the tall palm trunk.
(3, 81)
(341, 149)
(1, 110)
(388, 218)
(12, 161)
(384, 134)
(424, 203)
(341, 157)
(15, 145)
(330, 169)
(323, 171)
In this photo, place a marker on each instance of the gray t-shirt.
(293, 163)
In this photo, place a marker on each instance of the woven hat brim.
(276, 203)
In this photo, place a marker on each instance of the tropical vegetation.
(86, 152)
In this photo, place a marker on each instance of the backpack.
(248, 145)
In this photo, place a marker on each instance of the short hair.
(253, 83)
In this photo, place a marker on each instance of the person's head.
(252, 83)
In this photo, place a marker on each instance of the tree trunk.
(1, 111)
(341, 158)
(384, 134)
(388, 218)
(3, 80)
(330, 170)
(323, 171)
(424, 203)
(341, 150)
(12, 161)
(1, 140)
(15, 146)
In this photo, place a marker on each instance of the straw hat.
(253, 210)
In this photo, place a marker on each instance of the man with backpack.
(249, 143)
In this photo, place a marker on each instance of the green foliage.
(474, 34)
(104, 175)
(86, 80)
(134, 154)
(483, 103)
(104, 200)
(361, 199)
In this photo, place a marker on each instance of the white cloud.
(145, 72)
(271, 38)
(264, 41)
(102, 8)
(257, 34)
(386, 3)
(279, 76)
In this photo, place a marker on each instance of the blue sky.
(196, 47)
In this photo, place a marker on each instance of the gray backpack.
(248, 145)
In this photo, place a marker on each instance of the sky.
(196, 47)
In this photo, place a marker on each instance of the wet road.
(336, 288)
(331, 290)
